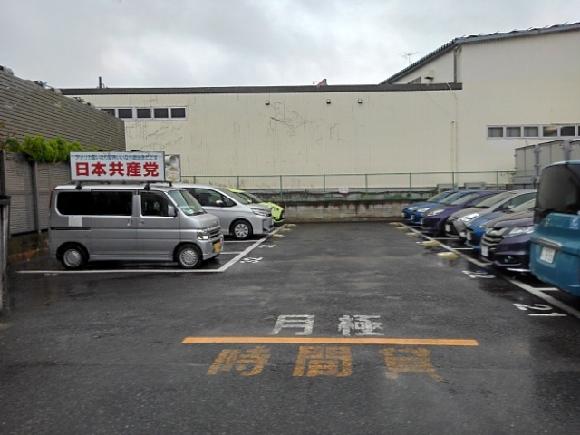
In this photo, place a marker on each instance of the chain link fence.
(402, 184)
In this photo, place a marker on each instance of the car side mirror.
(171, 211)
(230, 202)
(220, 203)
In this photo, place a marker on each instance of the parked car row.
(185, 223)
(518, 230)
(496, 224)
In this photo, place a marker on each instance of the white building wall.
(519, 81)
(298, 133)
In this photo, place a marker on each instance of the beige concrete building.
(463, 108)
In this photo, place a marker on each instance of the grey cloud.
(243, 42)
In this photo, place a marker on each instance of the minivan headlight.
(203, 235)
(422, 209)
(519, 231)
(261, 212)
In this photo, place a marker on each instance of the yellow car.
(277, 211)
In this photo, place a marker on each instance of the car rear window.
(559, 190)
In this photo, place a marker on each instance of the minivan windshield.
(528, 205)
(559, 190)
(439, 196)
(490, 201)
(466, 198)
(452, 198)
(186, 202)
(241, 199)
(253, 199)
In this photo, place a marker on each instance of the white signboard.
(172, 168)
(117, 166)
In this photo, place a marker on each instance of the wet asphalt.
(103, 354)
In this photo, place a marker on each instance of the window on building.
(125, 113)
(531, 131)
(568, 130)
(495, 132)
(161, 113)
(143, 113)
(550, 131)
(109, 111)
(178, 112)
(513, 131)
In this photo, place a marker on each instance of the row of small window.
(147, 112)
(533, 131)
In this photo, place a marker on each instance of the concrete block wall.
(27, 108)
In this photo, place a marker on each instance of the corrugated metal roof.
(471, 39)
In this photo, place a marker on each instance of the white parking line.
(238, 256)
(538, 292)
(549, 299)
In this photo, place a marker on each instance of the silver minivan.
(130, 222)
(238, 217)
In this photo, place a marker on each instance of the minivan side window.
(95, 203)
(154, 204)
(208, 197)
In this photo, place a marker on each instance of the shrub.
(42, 150)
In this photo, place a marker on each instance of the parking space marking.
(230, 263)
(549, 299)
(528, 288)
(332, 340)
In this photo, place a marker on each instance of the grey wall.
(28, 109)
(29, 187)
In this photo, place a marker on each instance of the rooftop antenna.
(409, 56)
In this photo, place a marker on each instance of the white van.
(130, 222)
(238, 217)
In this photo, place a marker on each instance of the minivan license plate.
(484, 251)
(547, 255)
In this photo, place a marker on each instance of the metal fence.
(394, 181)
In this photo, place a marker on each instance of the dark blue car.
(418, 214)
(431, 202)
(507, 241)
(433, 222)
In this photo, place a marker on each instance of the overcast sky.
(69, 43)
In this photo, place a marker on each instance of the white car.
(238, 216)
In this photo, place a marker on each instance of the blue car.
(417, 215)
(433, 222)
(555, 244)
(431, 202)
(507, 240)
(476, 228)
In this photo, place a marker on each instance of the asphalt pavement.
(321, 329)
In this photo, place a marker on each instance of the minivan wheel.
(73, 257)
(188, 256)
(241, 230)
